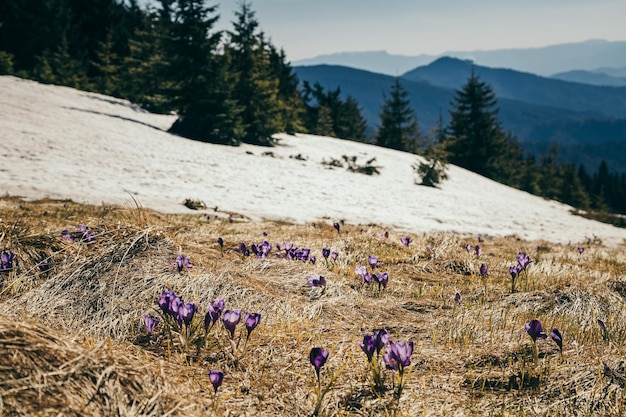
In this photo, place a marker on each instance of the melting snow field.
(59, 142)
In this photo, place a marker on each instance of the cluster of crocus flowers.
(316, 281)
(182, 262)
(174, 307)
(6, 260)
(326, 253)
(261, 250)
(477, 250)
(381, 278)
(230, 320)
(396, 357)
(523, 261)
(375, 343)
(83, 234)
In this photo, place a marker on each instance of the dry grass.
(72, 340)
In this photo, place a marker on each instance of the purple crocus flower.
(67, 235)
(580, 250)
(186, 312)
(381, 339)
(265, 233)
(287, 246)
(220, 242)
(401, 353)
(514, 271)
(334, 256)
(318, 358)
(216, 377)
(360, 270)
(316, 281)
(214, 313)
(405, 240)
(313, 259)
(457, 298)
(483, 270)
(558, 339)
(386, 234)
(534, 330)
(381, 278)
(174, 307)
(368, 345)
(477, 251)
(325, 252)
(165, 299)
(230, 319)
(337, 227)
(468, 248)
(251, 321)
(151, 322)
(523, 260)
(243, 250)
(372, 261)
(182, 262)
(390, 362)
(6, 260)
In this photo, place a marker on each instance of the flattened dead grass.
(72, 340)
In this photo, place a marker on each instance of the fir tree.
(256, 86)
(398, 125)
(201, 91)
(476, 141)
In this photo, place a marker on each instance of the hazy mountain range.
(587, 122)
(591, 55)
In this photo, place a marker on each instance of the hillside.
(534, 124)
(91, 148)
(158, 311)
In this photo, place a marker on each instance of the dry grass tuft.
(72, 339)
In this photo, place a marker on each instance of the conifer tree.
(349, 121)
(398, 124)
(476, 141)
(256, 86)
(201, 92)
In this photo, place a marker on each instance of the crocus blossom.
(251, 321)
(151, 322)
(318, 358)
(337, 227)
(186, 312)
(325, 252)
(182, 262)
(216, 377)
(401, 353)
(334, 256)
(6, 260)
(316, 281)
(555, 335)
(372, 260)
(230, 319)
(220, 242)
(534, 330)
(406, 241)
(214, 313)
(523, 260)
(580, 250)
(368, 345)
(483, 270)
(381, 339)
(381, 278)
(457, 298)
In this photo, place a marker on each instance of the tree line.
(235, 86)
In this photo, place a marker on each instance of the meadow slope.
(96, 237)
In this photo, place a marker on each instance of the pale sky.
(307, 28)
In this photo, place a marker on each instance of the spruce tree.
(476, 141)
(256, 86)
(201, 92)
(398, 124)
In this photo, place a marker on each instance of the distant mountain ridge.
(547, 60)
(591, 77)
(587, 122)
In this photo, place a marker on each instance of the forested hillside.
(235, 86)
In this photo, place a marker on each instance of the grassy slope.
(72, 340)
